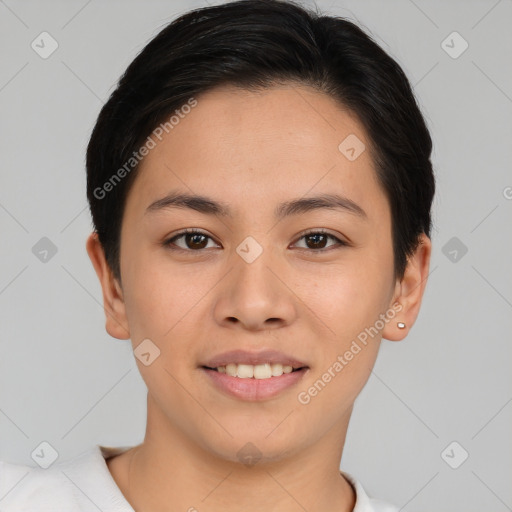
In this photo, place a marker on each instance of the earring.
(400, 325)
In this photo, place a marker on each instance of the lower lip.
(254, 389)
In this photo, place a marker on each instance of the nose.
(255, 296)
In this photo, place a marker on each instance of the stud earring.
(400, 325)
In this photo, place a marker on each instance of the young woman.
(260, 185)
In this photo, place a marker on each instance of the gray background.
(64, 380)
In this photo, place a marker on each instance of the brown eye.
(190, 240)
(196, 241)
(317, 240)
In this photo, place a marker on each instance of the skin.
(253, 151)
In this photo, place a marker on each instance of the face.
(263, 268)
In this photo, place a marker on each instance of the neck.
(170, 472)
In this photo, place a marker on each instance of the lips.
(253, 358)
(253, 390)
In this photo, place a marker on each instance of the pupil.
(195, 238)
(316, 243)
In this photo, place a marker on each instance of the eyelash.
(169, 242)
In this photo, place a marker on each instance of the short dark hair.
(255, 44)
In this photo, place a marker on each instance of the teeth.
(259, 371)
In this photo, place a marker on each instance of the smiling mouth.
(259, 371)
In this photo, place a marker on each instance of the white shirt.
(84, 484)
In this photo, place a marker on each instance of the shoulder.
(81, 483)
(30, 488)
(365, 503)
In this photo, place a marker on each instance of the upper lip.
(254, 358)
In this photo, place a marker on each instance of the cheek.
(156, 298)
(160, 307)
(348, 304)
(348, 297)
(166, 303)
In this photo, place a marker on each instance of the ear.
(409, 291)
(113, 303)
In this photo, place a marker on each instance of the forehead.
(250, 147)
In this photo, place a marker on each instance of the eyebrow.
(302, 205)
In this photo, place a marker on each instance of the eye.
(193, 240)
(316, 240)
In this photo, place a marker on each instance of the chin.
(251, 447)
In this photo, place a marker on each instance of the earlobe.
(113, 303)
(409, 291)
